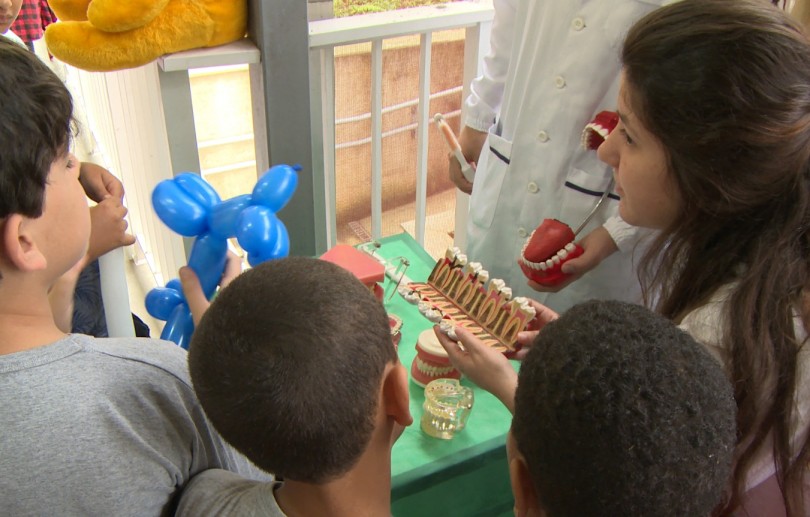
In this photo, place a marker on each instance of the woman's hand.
(471, 142)
(526, 338)
(598, 246)
(483, 365)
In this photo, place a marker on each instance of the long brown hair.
(725, 86)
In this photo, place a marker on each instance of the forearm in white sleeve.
(486, 91)
(624, 235)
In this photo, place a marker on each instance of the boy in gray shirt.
(90, 426)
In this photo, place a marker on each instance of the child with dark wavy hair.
(713, 150)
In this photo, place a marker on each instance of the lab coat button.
(532, 187)
(559, 81)
(542, 136)
(578, 24)
(523, 233)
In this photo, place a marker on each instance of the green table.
(465, 476)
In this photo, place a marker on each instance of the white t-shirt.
(13, 37)
(707, 325)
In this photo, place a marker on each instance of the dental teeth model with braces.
(461, 294)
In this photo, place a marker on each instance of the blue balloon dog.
(188, 205)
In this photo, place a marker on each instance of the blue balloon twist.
(188, 205)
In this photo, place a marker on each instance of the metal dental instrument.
(398, 274)
(596, 206)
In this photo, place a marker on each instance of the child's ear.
(19, 245)
(395, 395)
(526, 502)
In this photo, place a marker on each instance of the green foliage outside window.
(352, 7)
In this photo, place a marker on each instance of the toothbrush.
(449, 137)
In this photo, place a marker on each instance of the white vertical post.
(115, 295)
(322, 122)
(178, 111)
(423, 123)
(259, 116)
(376, 138)
(322, 102)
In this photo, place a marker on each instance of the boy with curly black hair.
(616, 412)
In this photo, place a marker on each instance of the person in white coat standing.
(552, 66)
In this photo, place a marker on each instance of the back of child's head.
(619, 412)
(287, 363)
(35, 123)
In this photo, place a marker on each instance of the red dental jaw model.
(552, 244)
(598, 129)
(549, 247)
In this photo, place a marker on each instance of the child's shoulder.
(151, 354)
(113, 369)
(150, 360)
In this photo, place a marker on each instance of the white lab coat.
(553, 65)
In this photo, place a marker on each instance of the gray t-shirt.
(103, 427)
(222, 493)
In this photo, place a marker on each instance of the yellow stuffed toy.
(106, 35)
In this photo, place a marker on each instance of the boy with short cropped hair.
(295, 367)
(616, 412)
(90, 426)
